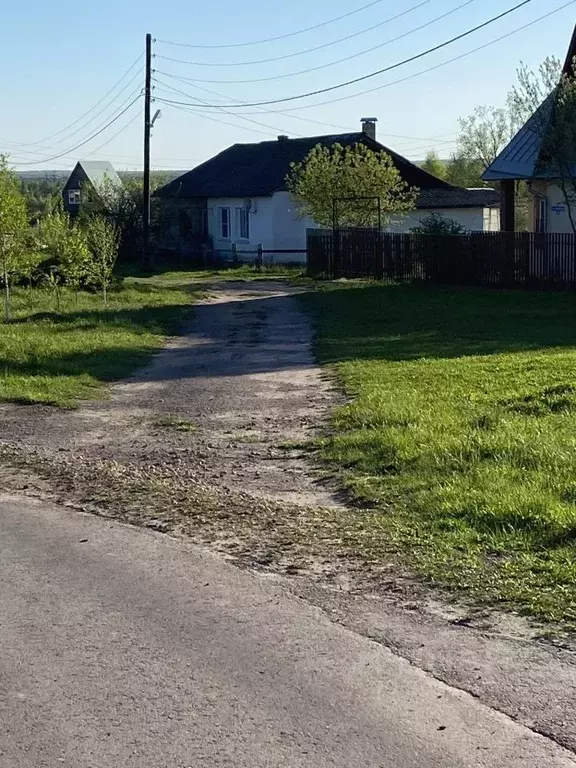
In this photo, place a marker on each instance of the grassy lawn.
(461, 430)
(244, 272)
(60, 356)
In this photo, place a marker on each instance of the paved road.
(120, 647)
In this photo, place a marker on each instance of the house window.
(74, 197)
(242, 224)
(225, 223)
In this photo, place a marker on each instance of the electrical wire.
(82, 128)
(71, 125)
(422, 71)
(218, 120)
(299, 53)
(227, 111)
(437, 139)
(279, 37)
(337, 61)
(86, 141)
(377, 72)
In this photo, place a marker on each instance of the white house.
(243, 194)
(522, 160)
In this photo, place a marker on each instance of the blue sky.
(59, 59)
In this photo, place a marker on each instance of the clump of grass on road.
(461, 430)
(58, 356)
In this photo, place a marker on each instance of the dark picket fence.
(498, 259)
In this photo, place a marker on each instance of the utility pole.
(146, 254)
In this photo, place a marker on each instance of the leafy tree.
(465, 172)
(532, 88)
(436, 224)
(349, 175)
(103, 239)
(123, 205)
(64, 243)
(434, 165)
(13, 229)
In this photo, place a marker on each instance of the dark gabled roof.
(255, 170)
(520, 157)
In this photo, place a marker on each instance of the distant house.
(92, 173)
(239, 197)
(522, 160)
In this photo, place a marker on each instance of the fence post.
(260, 258)
(336, 254)
(234, 255)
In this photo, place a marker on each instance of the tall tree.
(355, 178)
(13, 228)
(434, 165)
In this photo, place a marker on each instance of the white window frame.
(74, 197)
(243, 223)
(227, 224)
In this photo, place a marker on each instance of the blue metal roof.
(519, 159)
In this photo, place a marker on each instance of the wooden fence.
(499, 259)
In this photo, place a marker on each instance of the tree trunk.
(7, 312)
(104, 294)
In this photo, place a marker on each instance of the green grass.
(243, 273)
(61, 356)
(461, 430)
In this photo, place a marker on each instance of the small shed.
(96, 174)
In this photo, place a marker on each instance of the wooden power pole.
(146, 253)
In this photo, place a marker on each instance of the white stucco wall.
(558, 219)
(474, 219)
(261, 219)
(276, 225)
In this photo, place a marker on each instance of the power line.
(82, 128)
(379, 71)
(227, 111)
(111, 139)
(337, 61)
(217, 120)
(73, 149)
(422, 71)
(298, 53)
(346, 129)
(279, 37)
(71, 125)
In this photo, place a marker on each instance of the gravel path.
(219, 401)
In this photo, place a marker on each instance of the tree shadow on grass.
(407, 322)
(260, 335)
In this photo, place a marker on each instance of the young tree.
(434, 165)
(64, 243)
(355, 177)
(103, 239)
(13, 229)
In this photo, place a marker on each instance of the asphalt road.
(121, 647)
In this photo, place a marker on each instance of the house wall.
(557, 215)
(261, 219)
(474, 219)
(276, 225)
(76, 181)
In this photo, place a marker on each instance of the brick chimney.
(369, 126)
